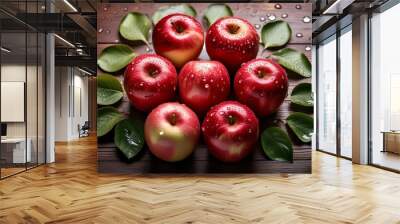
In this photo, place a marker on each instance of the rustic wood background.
(110, 160)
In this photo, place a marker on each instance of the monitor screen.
(3, 129)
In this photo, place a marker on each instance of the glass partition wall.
(22, 76)
(334, 94)
(385, 89)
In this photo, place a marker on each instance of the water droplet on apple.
(192, 76)
(284, 15)
(250, 131)
(272, 17)
(306, 19)
(261, 94)
(299, 35)
(243, 52)
(262, 19)
(213, 40)
(240, 81)
(206, 86)
(203, 129)
(161, 133)
(278, 6)
(221, 113)
(141, 84)
(212, 80)
(298, 6)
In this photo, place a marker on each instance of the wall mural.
(204, 88)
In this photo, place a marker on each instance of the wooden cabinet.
(391, 142)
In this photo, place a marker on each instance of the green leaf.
(107, 118)
(129, 137)
(109, 89)
(276, 144)
(302, 95)
(168, 10)
(216, 11)
(115, 57)
(302, 125)
(276, 34)
(135, 26)
(294, 61)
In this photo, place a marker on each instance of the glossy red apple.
(179, 38)
(230, 131)
(203, 84)
(171, 131)
(261, 84)
(232, 41)
(149, 81)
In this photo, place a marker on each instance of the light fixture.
(5, 50)
(84, 71)
(65, 41)
(337, 7)
(70, 5)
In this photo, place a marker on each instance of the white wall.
(71, 94)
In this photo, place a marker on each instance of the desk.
(18, 149)
(391, 141)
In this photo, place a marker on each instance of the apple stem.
(173, 119)
(231, 119)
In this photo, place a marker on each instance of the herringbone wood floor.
(71, 191)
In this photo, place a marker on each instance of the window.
(327, 95)
(385, 89)
(346, 92)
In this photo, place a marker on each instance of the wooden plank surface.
(111, 160)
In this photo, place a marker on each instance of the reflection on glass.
(385, 84)
(346, 93)
(327, 96)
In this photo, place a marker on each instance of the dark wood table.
(201, 162)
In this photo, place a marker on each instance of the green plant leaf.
(167, 10)
(276, 34)
(135, 26)
(107, 118)
(294, 61)
(115, 57)
(276, 144)
(129, 137)
(302, 95)
(302, 125)
(109, 89)
(216, 11)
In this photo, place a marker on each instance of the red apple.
(149, 81)
(232, 41)
(230, 131)
(171, 131)
(261, 84)
(203, 84)
(179, 38)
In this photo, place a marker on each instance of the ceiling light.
(84, 71)
(64, 40)
(5, 50)
(70, 5)
(338, 6)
